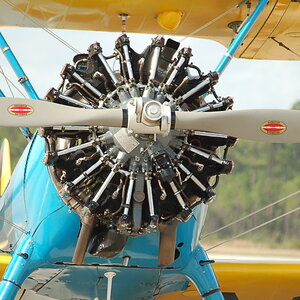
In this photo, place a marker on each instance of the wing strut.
(238, 40)
(22, 78)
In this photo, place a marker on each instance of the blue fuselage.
(32, 208)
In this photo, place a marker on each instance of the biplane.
(109, 198)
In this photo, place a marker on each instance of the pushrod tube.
(236, 43)
(128, 196)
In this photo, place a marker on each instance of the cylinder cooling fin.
(138, 178)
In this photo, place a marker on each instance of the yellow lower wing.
(5, 165)
(4, 261)
(247, 280)
(251, 279)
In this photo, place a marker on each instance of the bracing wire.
(254, 228)
(13, 225)
(213, 20)
(281, 44)
(6, 80)
(9, 81)
(252, 214)
(42, 27)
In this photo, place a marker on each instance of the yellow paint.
(259, 281)
(4, 261)
(280, 20)
(5, 168)
(169, 20)
(257, 45)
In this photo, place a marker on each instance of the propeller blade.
(265, 125)
(20, 112)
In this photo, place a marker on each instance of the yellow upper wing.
(280, 22)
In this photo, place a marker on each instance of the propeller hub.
(152, 111)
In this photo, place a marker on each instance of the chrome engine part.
(134, 180)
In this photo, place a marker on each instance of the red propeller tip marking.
(273, 127)
(20, 110)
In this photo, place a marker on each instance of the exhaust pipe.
(83, 239)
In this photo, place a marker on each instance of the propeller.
(268, 125)
(265, 125)
(20, 112)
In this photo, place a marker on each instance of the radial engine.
(126, 182)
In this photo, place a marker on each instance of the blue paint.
(201, 273)
(32, 203)
(38, 186)
(236, 43)
(129, 283)
(12, 207)
(1, 94)
(53, 231)
(23, 262)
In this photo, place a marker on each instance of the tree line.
(263, 174)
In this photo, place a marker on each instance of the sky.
(252, 83)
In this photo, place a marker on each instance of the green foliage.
(263, 174)
(296, 105)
